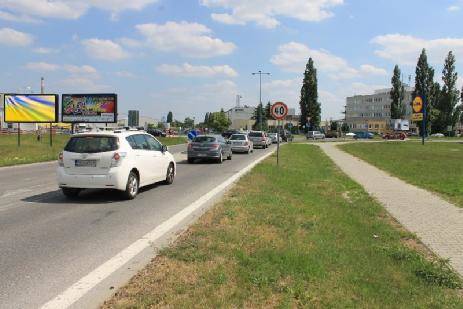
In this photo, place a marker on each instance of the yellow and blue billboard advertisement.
(33, 108)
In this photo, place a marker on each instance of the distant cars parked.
(259, 139)
(315, 135)
(241, 143)
(437, 135)
(157, 132)
(209, 147)
(363, 135)
(121, 160)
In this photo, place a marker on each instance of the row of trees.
(217, 121)
(443, 110)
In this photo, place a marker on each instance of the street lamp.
(260, 73)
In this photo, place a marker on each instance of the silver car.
(315, 135)
(274, 138)
(241, 143)
(210, 147)
(259, 139)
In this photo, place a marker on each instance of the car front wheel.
(131, 190)
(170, 175)
(220, 159)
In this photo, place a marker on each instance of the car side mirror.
(164, 148)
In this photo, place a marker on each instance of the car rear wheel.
(131, 189)
(220, 159)
(229, 156)
(70, 192)
(170, 175)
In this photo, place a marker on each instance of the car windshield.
(272, 134)
(255, 134)
(92, 144)
(238, 137)
(204, 139)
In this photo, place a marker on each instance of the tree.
(189, 123)
(170, 117)
(206, 118)
(425, 87)
(219, 121)
(334, 126)
(310, 107)
(345, 128)
(397, 95)
(260, 123)
(448, 110)
(268, 111)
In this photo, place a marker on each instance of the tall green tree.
(447, 104)
(268, 112)
(425, 87)
(170, 117)
(310, 107)
(397, 95)
(219, 121)
(259, 117)
(206, 118)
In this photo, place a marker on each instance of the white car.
(122, 160)
(241, 143)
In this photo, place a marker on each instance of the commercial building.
(373, 112)
(241, 117)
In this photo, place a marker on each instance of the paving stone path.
(438, 223)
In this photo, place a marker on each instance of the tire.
(191, 160)
(249, 150)
(170, 175)
(70, 192)
(229, 156)
(131, 189)
(220, 159)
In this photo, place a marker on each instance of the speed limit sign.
(279, 110)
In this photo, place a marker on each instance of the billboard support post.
(51, 134)
(19, 134)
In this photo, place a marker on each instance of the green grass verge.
(435, 166)
(169, 141)
(31, 151)
(299, 235)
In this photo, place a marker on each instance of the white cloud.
(83, 84)
(44, 50)
(104, 50)
(405, 49)
(292, 57)
(188, 39)
(69, 9)
(41, 66)
(372, 70)
(453, 8)
(199, 71)
(265, 12)
(85, 69)
(359, 88)
(20, 18)
(11, 37)
(125, 74)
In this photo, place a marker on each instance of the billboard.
(401, 124)
(90, 108)
(30, 108)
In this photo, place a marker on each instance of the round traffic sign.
(417, 105)
(279, 110)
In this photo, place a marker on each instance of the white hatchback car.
(120, 159)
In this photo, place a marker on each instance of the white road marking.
(87, 283)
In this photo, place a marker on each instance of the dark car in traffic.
(156, 132)
(209, 147)
(363, 135)
(229, 133)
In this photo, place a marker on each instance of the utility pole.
(260, 73)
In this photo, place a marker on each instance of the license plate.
(85, 163)
(236, 143)
(201, 154)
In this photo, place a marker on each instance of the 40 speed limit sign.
(279, 110)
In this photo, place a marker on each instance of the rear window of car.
(238, 137)
(92, 144)
(256, 134)
(204, 139)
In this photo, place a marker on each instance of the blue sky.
(194, 56)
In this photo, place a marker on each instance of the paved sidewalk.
(436, 222)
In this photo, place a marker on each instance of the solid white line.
(85, 284)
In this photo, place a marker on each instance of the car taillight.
(215, 146)
(117, 158)
(263, 139)
(190, 146)
(60, 159)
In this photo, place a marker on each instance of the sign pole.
(51, 135)
(278, 142)
(423, 123)
(19, 134)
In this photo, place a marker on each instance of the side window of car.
(154, 144)
(131, 142)
(140, 142)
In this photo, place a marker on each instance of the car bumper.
(260, 143)
(203, 154)
(112, 180)
(242, 148)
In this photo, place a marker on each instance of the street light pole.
(260, 73)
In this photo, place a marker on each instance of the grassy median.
(298, 235)
(435, 166)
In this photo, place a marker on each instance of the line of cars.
(221, 147)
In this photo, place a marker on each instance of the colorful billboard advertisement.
(89, 108)
(30, 108)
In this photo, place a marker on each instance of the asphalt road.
(47, 242)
